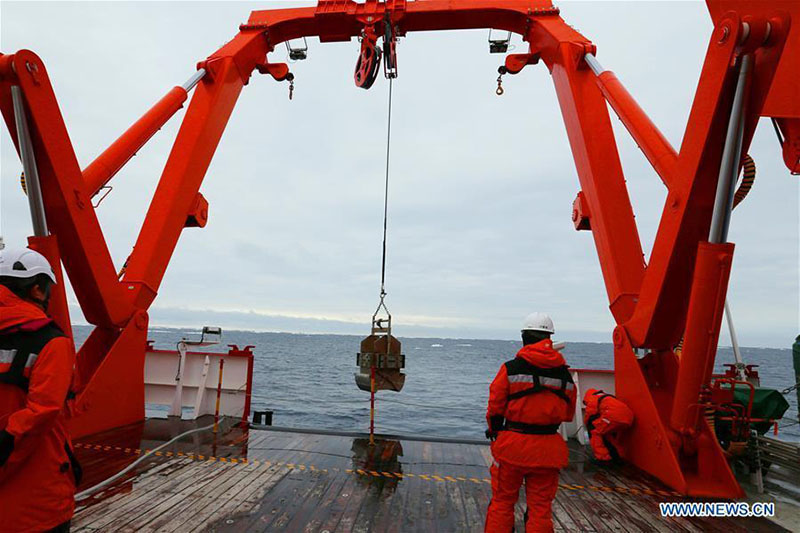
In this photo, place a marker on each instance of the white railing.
(186, 383)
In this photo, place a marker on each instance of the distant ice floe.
(463, 345)
(436, 346)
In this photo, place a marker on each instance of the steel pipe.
(594, 64)
(35, 202)
(194, 80)
(737, 354)
(731, 156)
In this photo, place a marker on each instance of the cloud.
(481, 187)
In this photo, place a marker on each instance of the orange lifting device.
(751, 69)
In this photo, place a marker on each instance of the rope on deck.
(437, 477)
(100, 486)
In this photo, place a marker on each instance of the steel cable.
(386, 190)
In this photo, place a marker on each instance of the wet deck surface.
(259, 480)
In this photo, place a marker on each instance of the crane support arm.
(602, 182)
(211, 107)
(686, 218)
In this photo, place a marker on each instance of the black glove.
(495, 426)
(6, 446)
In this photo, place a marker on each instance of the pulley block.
(389, 50)
(369, 60)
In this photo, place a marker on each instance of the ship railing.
(188, 386)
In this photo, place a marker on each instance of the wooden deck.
(269, 480)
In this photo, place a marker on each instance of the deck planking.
(272, 480)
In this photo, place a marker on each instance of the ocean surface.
(307, 380)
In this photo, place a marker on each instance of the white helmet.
(24, 263)
(538, 322)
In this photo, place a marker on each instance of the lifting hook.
(279, 71)
(514, 63)
(501, 70)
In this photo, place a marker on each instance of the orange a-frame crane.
(751, 69)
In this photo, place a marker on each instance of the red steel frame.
(679, 292)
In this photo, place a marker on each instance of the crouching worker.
(38, 473)
(605, 417)
(528, 400)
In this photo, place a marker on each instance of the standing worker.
(605, 417)
(38, 472)
(529, 398)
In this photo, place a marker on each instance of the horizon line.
(317, 333)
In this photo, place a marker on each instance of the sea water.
(307, 380)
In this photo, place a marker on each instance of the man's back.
(547, 407)
(528, 400)
(37, 481)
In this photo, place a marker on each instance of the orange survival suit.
(604, 417)
(38, 477)
(529, 398)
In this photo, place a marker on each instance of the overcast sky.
(481, 186)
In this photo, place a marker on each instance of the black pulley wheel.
(367, 67)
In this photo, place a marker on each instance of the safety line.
(362, 472)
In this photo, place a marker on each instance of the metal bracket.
(499, 46)
(107, 189)
(297, 53)
(580, 213)
(279, 71)
(516, 62)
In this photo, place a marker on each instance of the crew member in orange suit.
(38, 471)
(529, 398)
(604, 417)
